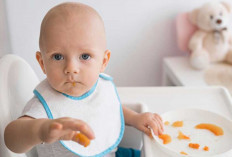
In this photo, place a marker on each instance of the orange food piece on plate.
(183, 153)
(194, 145)
(177, 124)
(218, 131)
(166, 123)
(181, 136)
(166, 138)
(206, 148)
(83, 139)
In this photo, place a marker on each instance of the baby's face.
(73, 55)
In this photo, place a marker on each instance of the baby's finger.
(160, 123)
(53, 133)
(155, 128)
(147, 131)
(159, 129)
(158, 116)
(55, 128)
(56, 125)
(67, 135)
(81, 126)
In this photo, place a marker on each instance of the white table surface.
(179, 71)
(163, 99)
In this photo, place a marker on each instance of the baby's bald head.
(72, 48)
(83, 20)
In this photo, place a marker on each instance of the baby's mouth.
(73, 83)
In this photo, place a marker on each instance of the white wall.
(139, 33)
(4, 36)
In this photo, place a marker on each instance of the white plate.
(218, 145)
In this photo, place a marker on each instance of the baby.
(76, 98)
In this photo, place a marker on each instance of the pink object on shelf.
(185, 29)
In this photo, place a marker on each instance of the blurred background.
(140, 33)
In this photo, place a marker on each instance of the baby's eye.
(85, 57)
(211, 16)
(58, 57)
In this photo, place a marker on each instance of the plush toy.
(212, 41)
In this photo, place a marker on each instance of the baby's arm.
(142, 121)
(24, 133)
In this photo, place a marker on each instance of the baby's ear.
(193, 16)
(106, 59)
(227, 6)
(40, 61)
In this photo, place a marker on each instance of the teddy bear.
(212, 41)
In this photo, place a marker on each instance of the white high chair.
(17, 81)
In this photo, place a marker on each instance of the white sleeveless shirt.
(100, 108)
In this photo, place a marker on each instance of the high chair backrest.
(185, 30)
(17, 81)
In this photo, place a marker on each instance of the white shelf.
(177, 71)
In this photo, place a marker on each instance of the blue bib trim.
(50, 116)
(84, 95)
(43, 102)
(106, 77)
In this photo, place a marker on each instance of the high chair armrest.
(132, 137)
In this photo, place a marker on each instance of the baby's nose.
(71, 68)
(219, 21)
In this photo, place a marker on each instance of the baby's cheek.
(55, 80)
(92, 79)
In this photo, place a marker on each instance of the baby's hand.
(145, 120)
(65, 129)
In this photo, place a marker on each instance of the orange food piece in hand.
(194, 145)
(177, 124)
(182, 136)
(206, 148)
(166, 123)
(82, 139)
(166, 138)
(211, 127)
(183, 153)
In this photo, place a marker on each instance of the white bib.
(100, 108)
